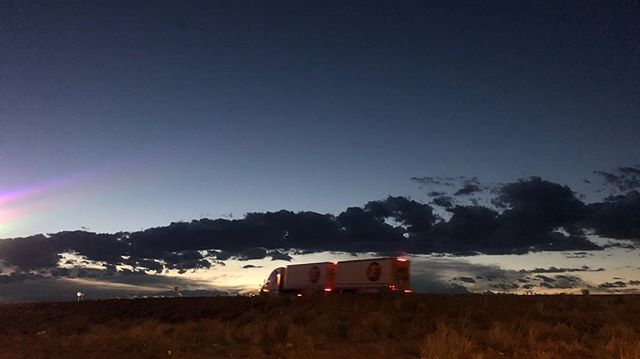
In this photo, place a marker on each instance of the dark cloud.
(443, 201)
(468, 228)
(556, 282)
(504, 287)
(567, 282)
(431, 275)
(469, 186)
(545, 278)
(634, 282)
(466, 185)
(19, 277)
(435, 180)
(465, 279)
(467, 190)
(527, 217)
(625, 178)
(153, 265)
(562, 270)
(609, 285)
(436, 193)
(194, 293)
(249, 266)
(559, 282)
(252, 253)
(535, 206)
(616, 217)
(279, 255)
(577, 255)
(30, 252)
(630, 171)
(366, 228)
(416, 216)
(533, 209)
(480, 278)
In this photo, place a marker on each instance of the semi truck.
(358, 276)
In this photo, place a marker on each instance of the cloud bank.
(526, 215)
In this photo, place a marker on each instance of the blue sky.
(215, 108)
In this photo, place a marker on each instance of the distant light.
(327, 289)
(299, 295)
(402, 259)
(408, 291)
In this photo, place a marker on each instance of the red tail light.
(393, 288)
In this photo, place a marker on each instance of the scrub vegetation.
(340, 326)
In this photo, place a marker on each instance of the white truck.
(301, 278)
(360, 276)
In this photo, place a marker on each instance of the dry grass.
(420, 326)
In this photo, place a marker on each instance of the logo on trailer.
(314, 274)
(374, 271)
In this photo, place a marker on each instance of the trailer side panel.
(311, 276)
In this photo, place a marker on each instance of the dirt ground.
(339, 326)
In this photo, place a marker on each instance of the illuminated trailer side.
(309, 277)
(300, 278)
(373, 275)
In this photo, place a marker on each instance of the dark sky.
(121, 115)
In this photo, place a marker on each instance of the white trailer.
(311, 277)
(373, 275)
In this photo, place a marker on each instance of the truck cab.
(274, 283)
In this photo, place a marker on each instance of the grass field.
(344, 326)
